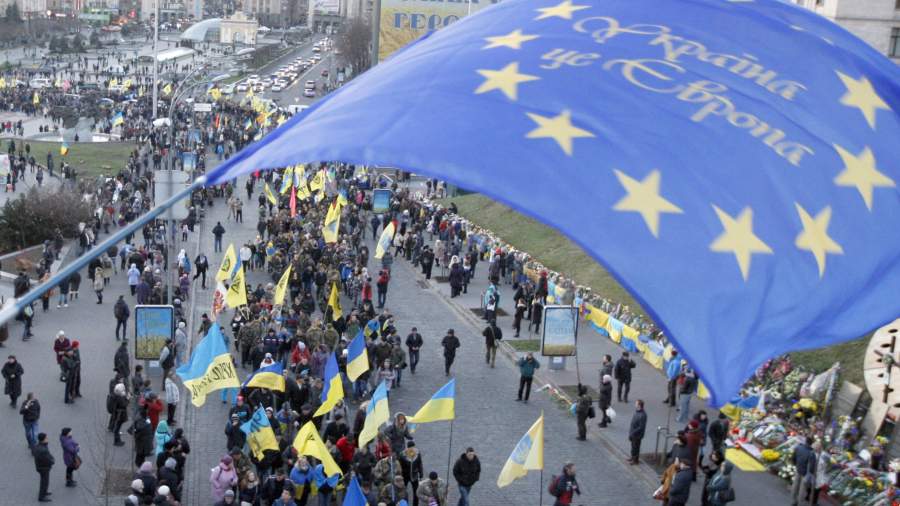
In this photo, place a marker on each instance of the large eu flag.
(732, 163)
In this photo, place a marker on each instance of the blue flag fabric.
(742, 190)
(355, 495)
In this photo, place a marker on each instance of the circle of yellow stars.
(644, 196)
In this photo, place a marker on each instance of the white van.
(39, 83)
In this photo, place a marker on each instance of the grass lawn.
(562, 255)
(89, 159)
(524, 345)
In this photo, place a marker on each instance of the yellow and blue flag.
(357, 356)
(309, 443)
(299, 175)
(371, 327)
(248, 124)
(333, 391)
(281, 287)
(385, 240)
(236, 295)
(287, 179)
(210, 367)
(229, 265)
(269, 195)
(270, 376)
(355, 495)
(118, 119)
(64, 148)
(685, 139)
(528, 455)
(260, 436)
(334, 302)
(440, 407)
(332, 223)
(377, 413)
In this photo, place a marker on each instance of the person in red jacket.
(347, 446)
(694, 439)
(154, 407)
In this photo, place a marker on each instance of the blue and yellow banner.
(440, 407)
(260, 436)
(210, 367)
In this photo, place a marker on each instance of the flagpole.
(541, 490)
(449, 453)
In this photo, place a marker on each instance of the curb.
(642, 471)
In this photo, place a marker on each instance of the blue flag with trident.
(742, 190)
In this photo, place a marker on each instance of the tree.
(78, 43)
(34, 216)
(12, 12)
(95, 39)
(356, 45)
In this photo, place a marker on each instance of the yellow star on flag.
(644, 198)
(506, 80)
(861, 173)
(815, 238)
(563, 10)
(862, 95)
(558, 128)
(738, 238)
(513, 40)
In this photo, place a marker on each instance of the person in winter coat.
(680, 491)
(718, 432)
(411, 468)
(98, 284)
(172, 397)
(236, 437)
(450, 343)
(527, 366)
(803, 452)
(398, 434)
(394, 492)
(142, 431)
(432, 490)
(636, 431)
(12, 373)
(222, 478)
(694, 439)
(118, 412)
(566, 486)
(302, 476)
(121, 312)
(43, 462)
(622, 373)
(582, 410)
(719, 487)
(122, 361)
(605, 400)
(70, 454)
(134, 277)
(162, 436)
(466, 471)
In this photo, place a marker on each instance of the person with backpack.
(492, 336)
(122, 313)
(564, 487)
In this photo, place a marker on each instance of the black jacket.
(680, 490)
(12, 373)
(120, 310)
(121, 362)
(638, 425)
(43, 460)
(466, 471)
(143, 436)
(622, 371)
(30, 411)
(605, 398)
(450, 344)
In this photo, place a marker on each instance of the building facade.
(238, 29)
(874, 21)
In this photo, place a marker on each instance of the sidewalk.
(648, 384)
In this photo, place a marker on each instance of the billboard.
(403, 21)
(381, 201)
(560, 331)
(152, 326)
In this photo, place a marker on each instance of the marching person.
(492, 336)
(121, 312)
(450, 344)
(466, 471)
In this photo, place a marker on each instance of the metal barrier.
(661, 456)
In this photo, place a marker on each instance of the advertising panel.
(403, 21)
(152, 326)
(381, 200)
(560, 331)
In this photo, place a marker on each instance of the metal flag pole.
(449, 454)
(541, 490)
(14, 306)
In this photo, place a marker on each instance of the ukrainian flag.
(248, 124)
(64, 148)
(334, 302)
(384, 242)
(377, 413)
(271, 377)
(440, 407)
(281, 287)
(210, 367)
(269, 195)
(260, 436)
(355, 495)
(334, 387)
(528, 455)
(309, 443)
(229, 265)
(287, 179)
(332, 223)
(118, 119)
(371, 327)
(357, 356)
(299, 175)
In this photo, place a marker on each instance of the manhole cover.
(117, 482)
(479, 312)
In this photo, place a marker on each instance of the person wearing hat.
(466, 471)
(12, 372)
(43, 462)
(395, 491)
(69, 366)
(450, 343)
(235, 436)
(605, 400)
(222, 479)
(433, 490)
(71, 458)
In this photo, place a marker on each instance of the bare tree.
(356, 45)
